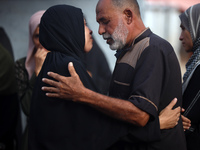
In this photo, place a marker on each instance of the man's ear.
(128, 16)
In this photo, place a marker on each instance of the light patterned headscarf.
(33, 24)
(190, 19)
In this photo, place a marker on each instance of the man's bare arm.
(71, 88)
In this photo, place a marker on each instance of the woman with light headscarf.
(27, 68)
(190, 37)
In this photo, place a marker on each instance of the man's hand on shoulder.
(65, 87)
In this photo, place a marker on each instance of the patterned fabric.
(193, 59)
(191, 21)
(21, 76)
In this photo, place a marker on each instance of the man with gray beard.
(145, 79)
(119, 36)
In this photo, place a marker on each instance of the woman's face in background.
(88, 38)
(186, 39)
(36, 38)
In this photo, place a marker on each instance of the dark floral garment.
(25, 88)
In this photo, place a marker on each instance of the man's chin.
(111, 45)
(115, 46)
(114, 49)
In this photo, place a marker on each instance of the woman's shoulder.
(194, 81)
(20, 63)
(197, 72)
(59, 62)
(21, 60)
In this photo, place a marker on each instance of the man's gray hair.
(122, 3)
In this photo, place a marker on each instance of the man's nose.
(101, 29)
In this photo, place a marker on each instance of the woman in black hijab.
(190, 37)
(57, 124)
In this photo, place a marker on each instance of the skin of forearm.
(116, 108)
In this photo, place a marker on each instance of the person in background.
(190, 37)
(9, 104)
(28, 68)
(145, 79)
(5, 41)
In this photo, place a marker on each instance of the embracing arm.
(168, 117)
(72, 88)
(117, 108)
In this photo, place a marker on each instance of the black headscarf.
(191, 21)
(62, 30)
(61, 124)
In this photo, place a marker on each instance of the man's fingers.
(172, 103)
(55, 76)
(178, 110)
(71, 69)
(50, 89)
(50, 82)
(52, 95)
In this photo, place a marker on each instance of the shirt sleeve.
(148, 80)
(146, 91)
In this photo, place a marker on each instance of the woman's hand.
(169, 117)
(40, 56)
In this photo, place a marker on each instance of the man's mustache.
(107, 36)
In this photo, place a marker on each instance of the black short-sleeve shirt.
(148, 75)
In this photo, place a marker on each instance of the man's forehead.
(101, 12)
(103, 5)
(99, 7)
(102, 16)
(104, 8)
